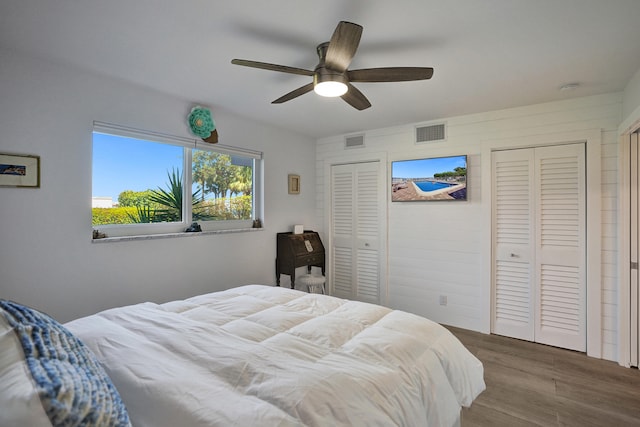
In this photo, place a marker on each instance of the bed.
(268, 356)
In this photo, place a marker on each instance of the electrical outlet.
(443, 300)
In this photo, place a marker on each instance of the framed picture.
(294, 184)
(19, 170)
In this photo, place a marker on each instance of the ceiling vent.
(430, 133)
(354, 141)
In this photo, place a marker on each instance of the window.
(149, 183)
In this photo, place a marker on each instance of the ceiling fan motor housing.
(323, 74)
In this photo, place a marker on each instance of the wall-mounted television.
(430, 179)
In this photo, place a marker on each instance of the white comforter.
(264, 356)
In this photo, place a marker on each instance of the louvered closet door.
(540, 245)
(513, 219)
(355, 209)
(560, 247)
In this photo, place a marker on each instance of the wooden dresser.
(298, 250)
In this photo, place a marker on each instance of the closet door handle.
(514, 255)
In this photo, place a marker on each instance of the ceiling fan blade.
(343, 45)
(294, 94)
(355, 98)
(390, 74)
(272, 67)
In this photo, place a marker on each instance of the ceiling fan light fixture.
(330, 89)
(329, 83)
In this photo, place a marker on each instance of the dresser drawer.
(312, 259)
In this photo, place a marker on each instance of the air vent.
(430, 133)
(354, 141)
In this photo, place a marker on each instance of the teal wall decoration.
(201, 123)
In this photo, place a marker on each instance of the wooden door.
(356, 231)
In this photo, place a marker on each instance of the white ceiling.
(487, 54)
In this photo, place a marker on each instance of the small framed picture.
(19, 170)
(294, 184)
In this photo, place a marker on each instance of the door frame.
(352, 158)
(592, 140)
(624, 238)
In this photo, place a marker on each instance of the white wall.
(47, 259)
(440, 248)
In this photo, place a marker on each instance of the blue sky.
(425, 168)
(125, 164)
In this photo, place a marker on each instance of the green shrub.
(102, 216)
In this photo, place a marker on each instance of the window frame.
(188, 145)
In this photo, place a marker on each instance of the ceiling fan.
(331, 76)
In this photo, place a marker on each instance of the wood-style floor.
(536, 385)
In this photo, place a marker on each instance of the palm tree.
(144, 214)
(170, 202)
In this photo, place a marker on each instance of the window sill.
(173, 235)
